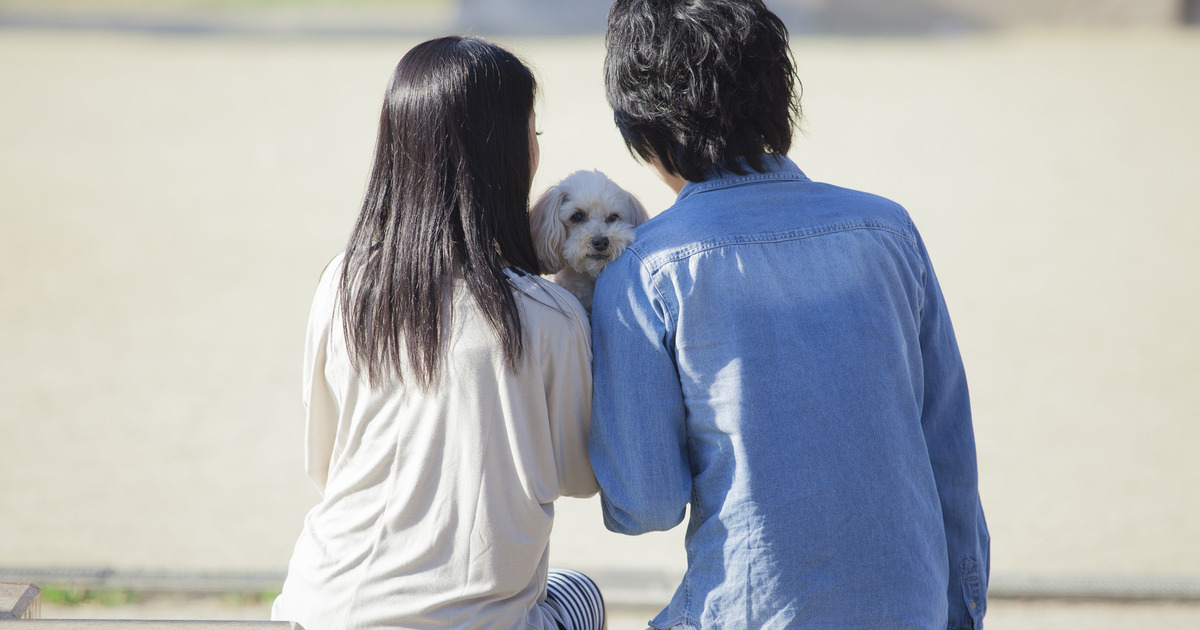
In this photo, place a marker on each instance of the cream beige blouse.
(436, 507)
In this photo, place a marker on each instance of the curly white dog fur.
(579, 226)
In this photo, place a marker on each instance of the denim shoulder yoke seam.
(654, 263)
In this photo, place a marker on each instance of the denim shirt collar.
(775, 167)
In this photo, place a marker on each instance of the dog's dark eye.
(576, 218)
(612, 218)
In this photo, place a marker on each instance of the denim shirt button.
(972, 605)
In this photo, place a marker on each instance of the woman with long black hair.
(448, 387)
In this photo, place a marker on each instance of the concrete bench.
(20, 601)
(21, 606)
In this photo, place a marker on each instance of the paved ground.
(1003, 615)
(166, 203)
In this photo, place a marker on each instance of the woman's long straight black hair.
(448, 198)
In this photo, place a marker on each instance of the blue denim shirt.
(776, 353)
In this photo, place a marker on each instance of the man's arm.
(946, 422)
(638, 442)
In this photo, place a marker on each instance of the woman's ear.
(637, 212)
(548, 230)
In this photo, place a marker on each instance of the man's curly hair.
(698, 84)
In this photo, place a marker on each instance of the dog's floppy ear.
(637, 212)
(548, 230)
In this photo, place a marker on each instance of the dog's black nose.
(600, 243)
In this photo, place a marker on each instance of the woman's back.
(437, 503)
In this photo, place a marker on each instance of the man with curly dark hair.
(775, 353)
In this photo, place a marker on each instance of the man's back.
(775, 352)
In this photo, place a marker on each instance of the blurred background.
(174, 175)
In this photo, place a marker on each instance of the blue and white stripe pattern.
(575, 599)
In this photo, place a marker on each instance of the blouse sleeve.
(567, 379)
(319, 403)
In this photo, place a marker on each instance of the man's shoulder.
(772, 210)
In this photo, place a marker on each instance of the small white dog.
(579, 226)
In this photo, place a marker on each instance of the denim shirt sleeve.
(638, 443)
(946, 422)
